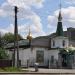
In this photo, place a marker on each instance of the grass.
(12, 69)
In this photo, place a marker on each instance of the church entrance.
(40, 57)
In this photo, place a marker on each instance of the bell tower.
(59, 41)
(59, 31)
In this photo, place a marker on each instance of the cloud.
(26, 3)
(24, 13)
(68, 19)
(23, 30)
(3, 31)
(24, 7)
(2, 13)
(67, 13)
(70, 1)
(37, 22)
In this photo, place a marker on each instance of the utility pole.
(16, 46)
(0, 40)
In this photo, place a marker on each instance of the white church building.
(50, 51)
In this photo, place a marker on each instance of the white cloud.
(26, 3)
(24, 29)
(2, 13)
(37, 22)
(25, 12)
(70, 1)
(68, 19)
(50, 18)
(52, 22)
(3, 31)
(67, 13)
(10, 28)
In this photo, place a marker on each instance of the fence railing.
(5, 63)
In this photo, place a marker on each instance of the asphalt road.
(37, 74)
(44, 72)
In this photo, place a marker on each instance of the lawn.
(12, 69)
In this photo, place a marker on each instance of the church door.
(40, 57)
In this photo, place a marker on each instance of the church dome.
(29, 37)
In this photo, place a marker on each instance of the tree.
(9, 37)
(3, 54)
(1, 41)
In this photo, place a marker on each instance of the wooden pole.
(16, 46)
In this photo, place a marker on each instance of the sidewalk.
(43, 71)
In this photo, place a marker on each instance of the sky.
(40, 15)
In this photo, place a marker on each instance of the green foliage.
(12, 69)
(63, 51)
(3, 55)
(1, 70)
(1, 42)
(9, 69)
(9, 37)
(67, 51)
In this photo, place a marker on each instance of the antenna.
(60, 5)
(60, 17)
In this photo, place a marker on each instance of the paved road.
(37, 74)
(46, 72)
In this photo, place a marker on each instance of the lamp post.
(16, 46)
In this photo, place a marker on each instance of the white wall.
(45, 55)
(24, 55)
(28, 54)
(59, 41)
(53, 53)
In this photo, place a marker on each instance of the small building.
(49, 51)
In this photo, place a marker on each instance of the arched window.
(53, 43)
(63, 43)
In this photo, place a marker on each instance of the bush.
(3, 55)
(11, 69)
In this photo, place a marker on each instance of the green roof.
(59, 31)
(21, 43)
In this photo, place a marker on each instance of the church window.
(40, 56)
(63, 43)
(53, 43)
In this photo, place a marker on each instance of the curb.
(31, 73)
